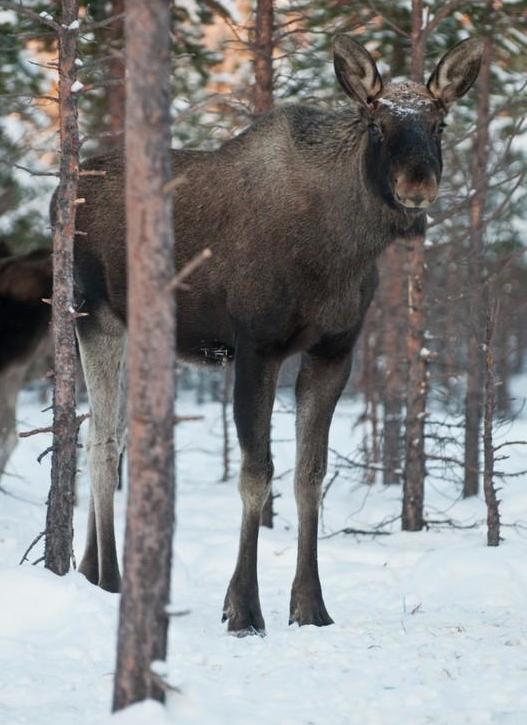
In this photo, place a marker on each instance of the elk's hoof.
(244, 617)
(309, 611)
(111, 584)
(90, 569)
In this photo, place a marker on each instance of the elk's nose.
(412, 194)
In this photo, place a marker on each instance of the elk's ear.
(356, 70)
(457, 71)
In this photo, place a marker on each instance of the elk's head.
(405, 120)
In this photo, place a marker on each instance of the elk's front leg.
(254, 391)
(319, 385)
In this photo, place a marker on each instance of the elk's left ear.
(457, 71)
(356, 70)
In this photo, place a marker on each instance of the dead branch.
(357, 532)
(32, 544)
(189, 268)
(49, 429)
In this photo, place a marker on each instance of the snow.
(431, 627)
(76, 86)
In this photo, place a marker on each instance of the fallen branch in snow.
(357, 532)
(186, 418)
(451, 524)
(32, 544)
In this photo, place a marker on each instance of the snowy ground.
(430, 627)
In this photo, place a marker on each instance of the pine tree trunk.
(59, 521)
(225, 403)
(475, 354)
(493, 516)
(394, 382)
(143, 622)
(263, 56)
(415, 470)
(263, 101)
(116, 93)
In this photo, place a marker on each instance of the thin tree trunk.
(475, 354)
(263, 56)
(493, 516)
(225, 402)
(394, 375)
(415, 470)
(263, 45)
(370, 389)
(143, 622)
(59, 521)
(116, 95)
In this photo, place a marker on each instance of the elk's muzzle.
(415, 193)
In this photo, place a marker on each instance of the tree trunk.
(394, 375)
(263, 56)
(116, 94)
(475, 354)
(143, 622)
(225, 403)
(415, 470)
(493, 515)
(263, 45)
(59, 520)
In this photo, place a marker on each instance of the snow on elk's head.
(405, 120)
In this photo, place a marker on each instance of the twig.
(44, 454)
(32, 544)
(188, 269)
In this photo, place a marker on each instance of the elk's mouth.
(409, 206)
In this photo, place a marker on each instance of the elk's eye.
(376, 131)
(439, 128)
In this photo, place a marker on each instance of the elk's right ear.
(356, 70)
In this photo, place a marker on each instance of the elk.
(24, 281)
(296, 209)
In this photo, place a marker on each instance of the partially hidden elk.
(24, 320)
(296, 210)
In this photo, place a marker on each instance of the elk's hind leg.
(319, 385)
(254, 392)
(101, 343)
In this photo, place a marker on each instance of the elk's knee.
(255, 482)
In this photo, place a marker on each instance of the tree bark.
(415, 469)
(116, 95)
(493, 515)
(263, 56)
(143, 622)
(225, 403)
(59, 521)
(263, 46)
(393, 391)
(475, 354)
